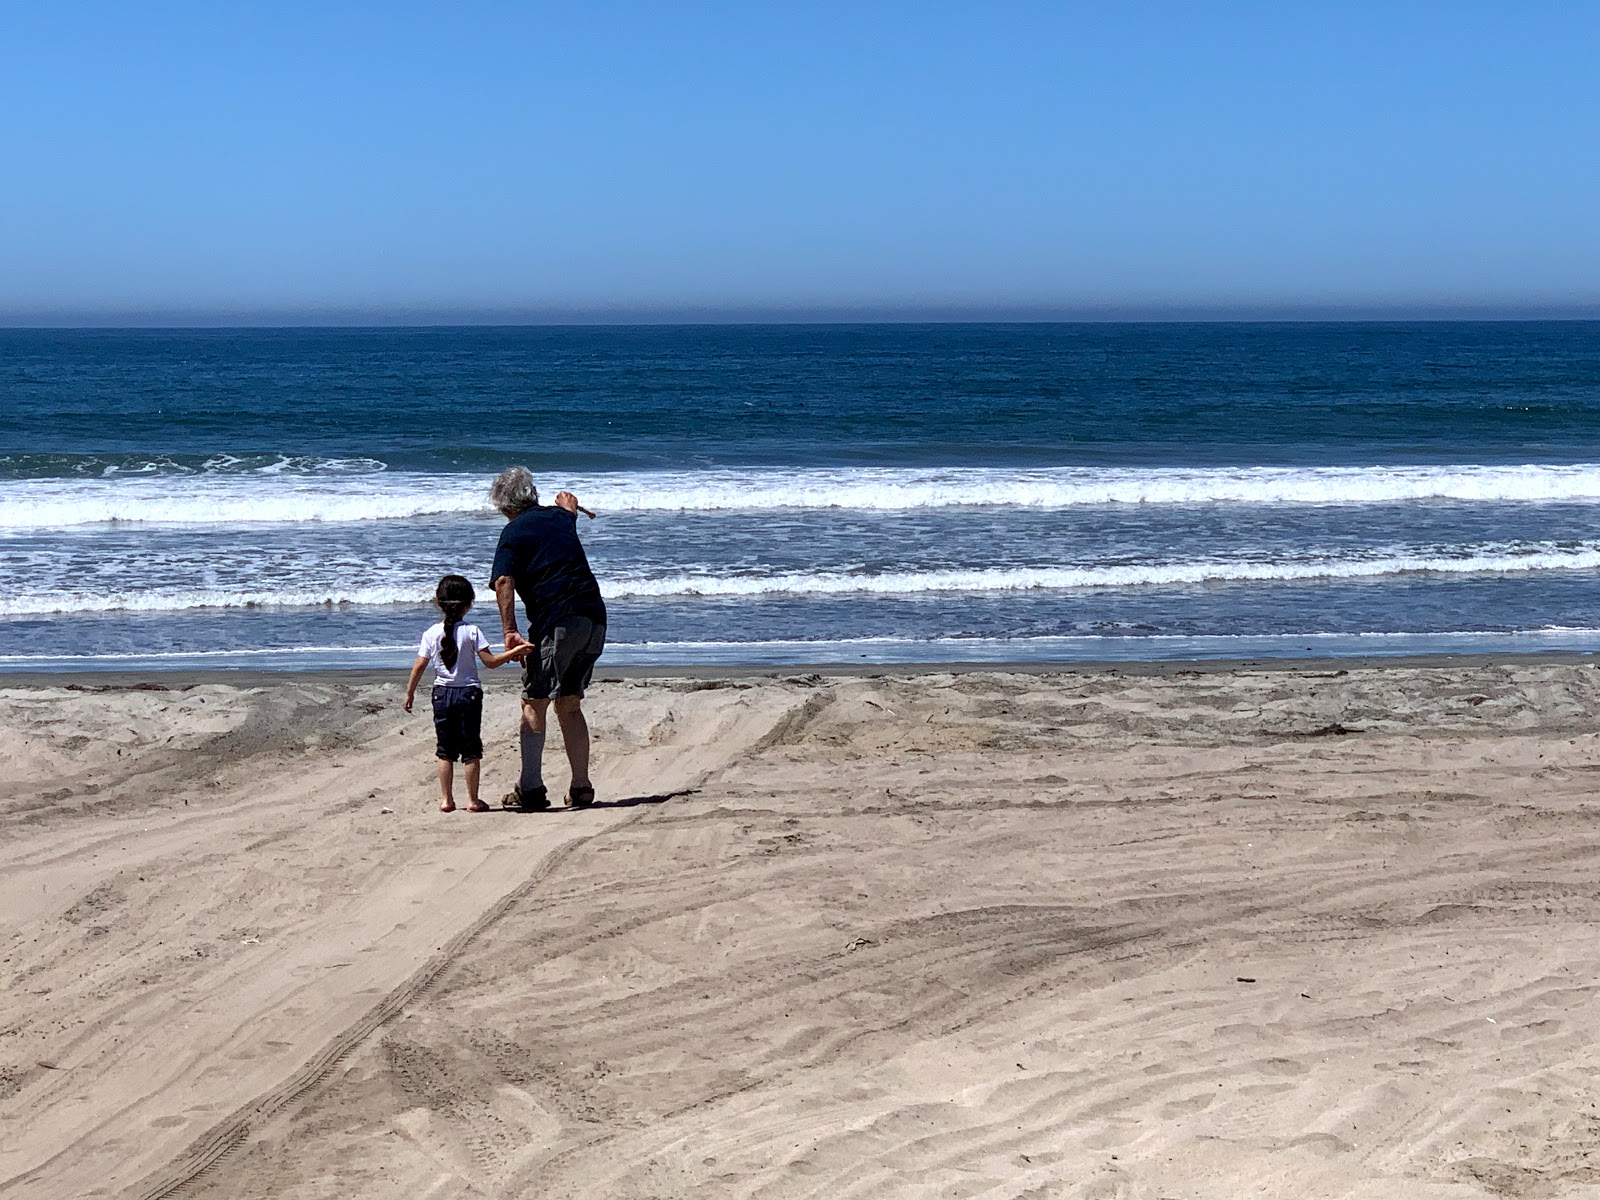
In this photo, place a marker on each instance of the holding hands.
(517, 649)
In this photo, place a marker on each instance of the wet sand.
(1185, 930)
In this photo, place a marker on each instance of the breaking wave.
(350, 490)
(1023, 579)
(1483, 560)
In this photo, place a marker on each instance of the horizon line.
(179, 319)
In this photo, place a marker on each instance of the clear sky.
(593, 160)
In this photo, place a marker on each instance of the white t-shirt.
(469, 640)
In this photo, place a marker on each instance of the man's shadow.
(621, 802)
(635, 801)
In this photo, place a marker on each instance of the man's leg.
(575, 734)
(531, 738)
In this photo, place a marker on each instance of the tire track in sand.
(235, 1129)
(720, 743)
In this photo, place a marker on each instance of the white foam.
(1577, 632)
(1024, 579)
(1481, 560)
(188, 655)
(183, 600)
(1069, 487)
(1101, 647)
(883, 650)
(233, 500)
(261, 495)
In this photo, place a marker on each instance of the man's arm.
(505, 594)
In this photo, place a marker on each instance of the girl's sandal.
(447, 806)
(477, 806)
(580, 797)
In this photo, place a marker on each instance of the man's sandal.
(580, 797)
(516, 800)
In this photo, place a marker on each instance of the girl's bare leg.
(447, 775)
(471, 772)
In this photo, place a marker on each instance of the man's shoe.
(516, 800)
(580, 797)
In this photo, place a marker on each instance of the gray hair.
(512, 491)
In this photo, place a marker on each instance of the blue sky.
(335, 161)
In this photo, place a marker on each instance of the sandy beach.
(1316, 929)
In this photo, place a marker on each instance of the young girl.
(455, 650)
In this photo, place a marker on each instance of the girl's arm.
(417, 668)
(491, 660)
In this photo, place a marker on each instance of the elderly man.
(541, 559)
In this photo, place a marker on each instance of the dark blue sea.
(772, 494)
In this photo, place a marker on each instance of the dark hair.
(453, 596)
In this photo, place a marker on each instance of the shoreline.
(180, 678)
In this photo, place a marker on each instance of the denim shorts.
(564, 662)
(458, 721)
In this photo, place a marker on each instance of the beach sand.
(1307, 930)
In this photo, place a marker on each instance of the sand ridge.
(977, 935)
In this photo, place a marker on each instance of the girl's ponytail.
(454, 596)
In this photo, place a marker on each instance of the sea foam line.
(1070, 487)
(261, 498)
(1027, 579)
(185, 599)
(1575, 632)
(210, 500)
(185, 655)
(1000, 651)
(992, 580)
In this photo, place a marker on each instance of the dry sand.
(1303, 932)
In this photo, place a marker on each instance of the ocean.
(287, 498)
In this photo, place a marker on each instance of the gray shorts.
(564, 662)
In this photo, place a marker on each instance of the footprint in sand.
(1188, 1106)
(1282, 1066)
(1325, 1144)
(1265, 1089)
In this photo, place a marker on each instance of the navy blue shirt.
(539, 549)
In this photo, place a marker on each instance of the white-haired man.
(540, 559)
